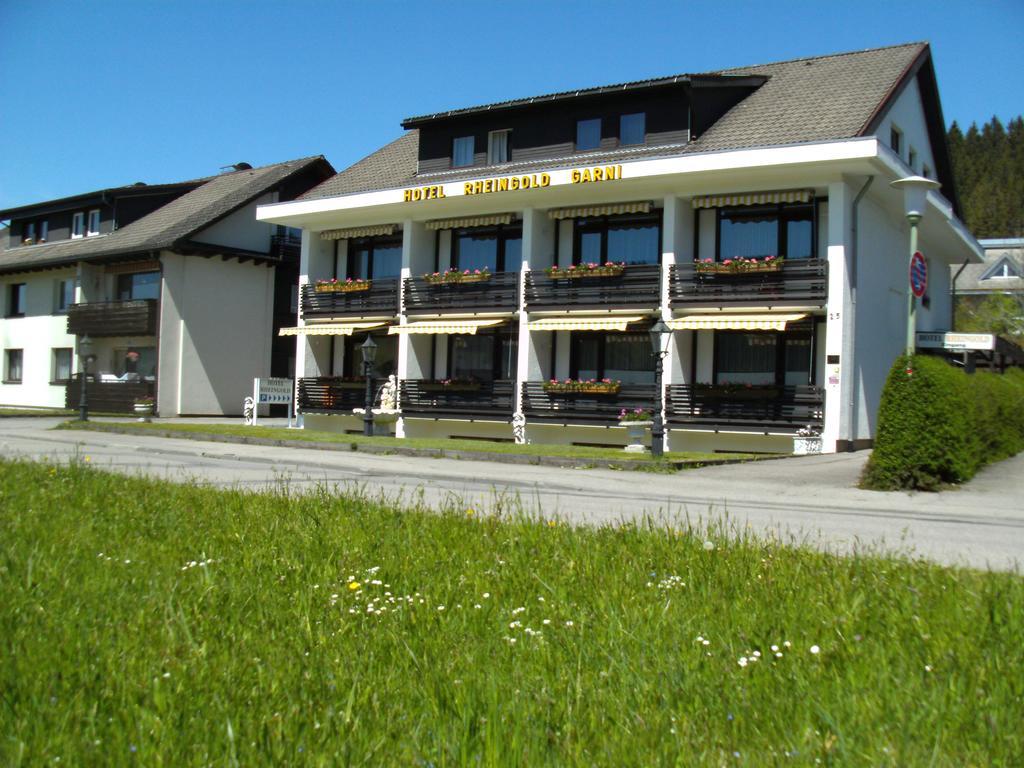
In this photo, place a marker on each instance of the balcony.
(285, 248)
(796, 281)
(107, 397)
(581, 408)
(751, 409)
(331, 394)
(638, 286)
(424, 398)
(113, 318)
(381, 298)
(499, 291)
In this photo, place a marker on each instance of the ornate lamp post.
(915, 195)
(85, 356)
(369, 351)
(657, 333)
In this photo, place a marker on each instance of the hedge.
(938, 425)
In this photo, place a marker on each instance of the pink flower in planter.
(769, 258)
(466, 272)
(727, 262)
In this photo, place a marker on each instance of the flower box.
(453, 276)
(354, 286)
(585, 270)
(569, 387)
(739, 266)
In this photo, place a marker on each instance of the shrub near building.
(937, 424)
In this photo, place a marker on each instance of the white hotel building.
(749, 209)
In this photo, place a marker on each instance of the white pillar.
(538, 244)
(837, 363)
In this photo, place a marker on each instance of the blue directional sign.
(918, 274)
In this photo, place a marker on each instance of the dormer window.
(632, 129)
(588, 134)
(463, 150)
(78, 225)
(497, 147)
(94, 223)
(1004, 270)
(28, 234)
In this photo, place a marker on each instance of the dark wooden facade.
(114, 318)
(107, 397)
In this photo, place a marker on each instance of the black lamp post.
(85, 356)
(657, 332)
(369, 350)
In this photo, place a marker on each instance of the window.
(12, 366)
(61, 372)
(763, 358)
(28, 233)
(78, 225)
(16, 300)
(138, 285)
(384, 365)
(94, 223)
(588, 134)
(632, 129)
(759, 231)
(374, 258)
(896, 140)
(463, 149)
(912, 159)
(44, 230)
(625, 357)
(498, 249)
(497, 147)
(926, 171)
(65, 294)
(482, 356)
(137, 362)
(1002, 271)
(629, 239)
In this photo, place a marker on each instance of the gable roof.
(979, 277)
(168, 227)
(825, 98)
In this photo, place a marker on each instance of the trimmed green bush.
(938, 425)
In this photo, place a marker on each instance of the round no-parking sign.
(918, 274)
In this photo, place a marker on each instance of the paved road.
(812, 498)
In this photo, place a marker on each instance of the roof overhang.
(811, 165)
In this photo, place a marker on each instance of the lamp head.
(657, 332)
(915, 193)
(85, 347)
(368, 349)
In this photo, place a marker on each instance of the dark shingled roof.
(826, 98)
(166, 227)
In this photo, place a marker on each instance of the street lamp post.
(369, 351)
(657, 333)
(85, 356)
(915, 195)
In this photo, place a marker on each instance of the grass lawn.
(147, 623)
(15, 411)
(479, 446)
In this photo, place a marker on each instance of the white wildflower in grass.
(775, 649)
(788, 644)
(778, 655)
(742, 661)
(478, 606)
(927, 667)
(568, 624)
(486, 595)
(546, 622)
(705, 642)
(709, 545)
(440, 607)
(756, 654)
(700, 638)
(815, 650)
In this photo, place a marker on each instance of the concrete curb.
(435, 453)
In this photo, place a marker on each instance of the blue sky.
(110, 92)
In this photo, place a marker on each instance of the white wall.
(907, 114)
(240, 229)
(37, 334)
(215, 333)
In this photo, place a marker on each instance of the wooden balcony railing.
(499, 291)
(107, 397)
(114, 318)
(330, 394)
(796, 281)
(579, 408)
(432, 399)
(784, 409)
(380, 299)
(638, 286)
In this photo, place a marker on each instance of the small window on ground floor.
(625, 357)
(763, 358)
(62, 370)
(12, 366)
(482, 356)
(386, 362)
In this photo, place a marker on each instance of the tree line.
(988, 165)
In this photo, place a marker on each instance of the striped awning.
(613, 209)
(748, 322)
(584, 323)
(328, 329)
(446, 326)
(344, 234)
(471, 221)
(754, 198)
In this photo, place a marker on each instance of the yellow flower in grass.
(552, 523)
(470, 512)
(353, 585)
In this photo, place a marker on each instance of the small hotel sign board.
(273, 392)
(957, 342)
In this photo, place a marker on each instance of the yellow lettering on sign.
(467, 188)
(575, 177)
(513, 183)
(503, 185)
(608, 173)
(545, 180)
(433, 192)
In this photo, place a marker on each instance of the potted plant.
(740, 265)
(636, 421)
(807, 440)
(144, 407)
(582, 386)
(353, 285)
(454, 275)
(586, 269)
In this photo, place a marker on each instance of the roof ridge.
(918, 43)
